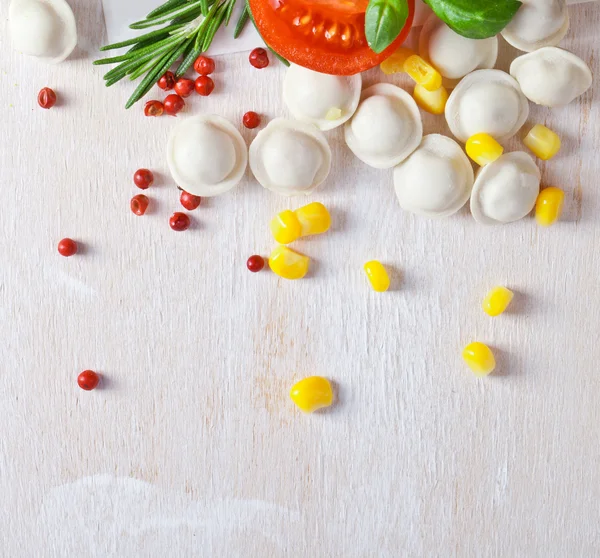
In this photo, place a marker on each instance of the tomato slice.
(327, 36)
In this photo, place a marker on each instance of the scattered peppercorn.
(154, 108)
(167, 82)
(184, 87)
(179, 222)
(204, 65)
(255, 263)
(189, 201)
(46, 98)
(204, 86)
(251, 120)
(139, 204)
(173, 104)
(67, 247)
(88, 380)
(259, 58)
(143, 178)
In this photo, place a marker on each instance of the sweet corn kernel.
(288, 264)
(333, 113)
(286, 227)
(314, 219)
(483, 149)
(395, 63)
(378, 276)
(312, 394)
(431, 101)
(548, 206)
(479, 359)
(544, 143)
(497, 301)
(423, 73)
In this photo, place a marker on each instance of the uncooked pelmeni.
(453, 55)
(487, 101)
(206, 154)
(505, 190)
(290, 157)
(45, 29)
(551, 76)
(422, 12)
(386, 128)
(321, 99)
(436, 180)
(537, 24)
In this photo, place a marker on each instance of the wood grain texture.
(193, 447)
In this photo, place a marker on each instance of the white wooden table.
(192, 446)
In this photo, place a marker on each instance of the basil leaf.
(384, 19)
(475, 19)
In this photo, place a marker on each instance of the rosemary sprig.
(189, 27)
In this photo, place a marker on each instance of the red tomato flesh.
(327, 36)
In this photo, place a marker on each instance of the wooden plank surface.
(192, 447)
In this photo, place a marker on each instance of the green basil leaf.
(475, 19)
(384, 20)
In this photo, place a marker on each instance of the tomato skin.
(295, 47)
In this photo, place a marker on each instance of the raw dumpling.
(290, 157)
(386, 128)
(321, 99)
(487, 101)
(207, 156)
(45, 29)
(537, 24)
(422, 12)
(551, 76)
(453, 55)
(436, 180)
(505, 190)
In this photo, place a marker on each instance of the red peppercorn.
(139, 204)
(251, 120)
(179, 222)
(189, 201)
(204, 65)
(88, 380)
(143, 178)
(167, 82)
(258, 58)
(67, 247)
(46, 98)
(204, 86)
(255, 263)
(184, 87)
(154, 108)
(173, 104)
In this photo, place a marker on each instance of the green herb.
(384, 20)
(189, 27)
(475, 19)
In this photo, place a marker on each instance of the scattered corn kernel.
(314, 219)
(479, 359)
(378, 276)
(395, 63)
(497, 301)
(288, 264)
(483, 149)
(423, 73)
(548, 206)
(431, 101)
(544, 143)
(312, 394)
(333, 113)
(286, 227)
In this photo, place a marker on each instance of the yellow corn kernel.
(423, 73)
(497, 301)
(288, 264)
(333, 113)
(313, 218)
(286, 227)
(483, 149)
(378, 276)
(548, 206)
(312, 394)
(479, 359)
(395, 63)
(431, 101)
(544, 143)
